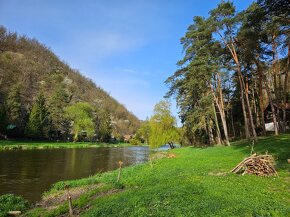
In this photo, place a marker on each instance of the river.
(31, 172)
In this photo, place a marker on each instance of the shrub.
(134, 141)
(10, 202)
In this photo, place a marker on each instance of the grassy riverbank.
(10, 144)
(185, 182)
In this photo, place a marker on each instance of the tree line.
(41, 97)
(235, 65)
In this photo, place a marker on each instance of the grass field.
(193, 182)
(10, 144)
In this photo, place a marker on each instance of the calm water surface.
(31, 172)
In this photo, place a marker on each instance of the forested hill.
(31, 74)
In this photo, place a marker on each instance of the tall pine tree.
(38, 123)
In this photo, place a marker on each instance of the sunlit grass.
(196, 182)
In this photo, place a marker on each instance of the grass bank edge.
(16, 145)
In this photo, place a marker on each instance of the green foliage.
(103, 126)
(230, 58)
(57, 102)
(14, 104)
(191, 84)
(3, 119)
(16, 112)
(38, 119)
(10, 202)
(82, 116)
(163, 127)
(143, 132)
(134, 141)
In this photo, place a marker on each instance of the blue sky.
(128, 47)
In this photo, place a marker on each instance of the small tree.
(163, 128)
(143, 132)
(103, 125)
(82, 116)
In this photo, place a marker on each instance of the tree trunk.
(250, 115)
(211, 138)
(222, 111)
(232, 123)
(276, 72)
(260, 86)
(232, 49)
(270, 100)
(217, 125)
(246, 123)
(286, 90)
(257, 118)
(247, 102)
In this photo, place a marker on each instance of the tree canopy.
(235, 64)
(163, 128)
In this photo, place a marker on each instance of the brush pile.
(260, 165)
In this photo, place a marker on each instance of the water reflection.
(31, 172)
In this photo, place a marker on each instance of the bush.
(134, 141)
(10, 202)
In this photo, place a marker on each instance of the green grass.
(10, 202)
(10, 144)
(187, 186)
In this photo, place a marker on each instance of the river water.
(31, 172)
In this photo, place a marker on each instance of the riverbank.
(11, 144)
(182, 182)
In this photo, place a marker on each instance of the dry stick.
(70, 207)
(120, 168)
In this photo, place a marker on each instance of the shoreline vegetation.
(25, 145)
(181, 182)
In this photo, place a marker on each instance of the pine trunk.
(271, 104)
(260, 86)
(247, 132)
(276, 72)
(219, 141)
(222, 112)
(286, 90)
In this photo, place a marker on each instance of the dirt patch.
(78, 211)
(160, 155)
(218, 174)
(52, 201)
(170, 155)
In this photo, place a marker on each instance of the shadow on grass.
(278, 146)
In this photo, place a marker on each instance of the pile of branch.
(260, 165)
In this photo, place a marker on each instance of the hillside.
(31, 67)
